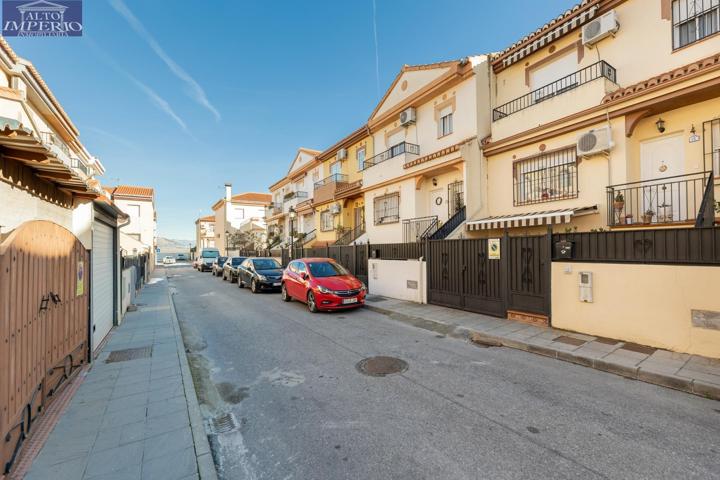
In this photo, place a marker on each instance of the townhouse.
(604, 118)
(290, 212)
(425, 130)
(338, 199)
(139, 235)
(205, 232)
(244, 212)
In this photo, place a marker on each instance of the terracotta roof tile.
(131, 191)
(208, 218)
(252, 197)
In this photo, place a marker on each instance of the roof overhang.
(530, 219)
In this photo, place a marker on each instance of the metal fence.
(140, 262)
(676, 246)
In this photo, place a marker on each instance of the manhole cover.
(129, 354)
(224, 423)
(381, 366)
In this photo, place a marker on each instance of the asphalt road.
(284, 400)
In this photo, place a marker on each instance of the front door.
(360, 217)
(660, 159)
(437, 203)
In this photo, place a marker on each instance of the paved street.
(288, 402)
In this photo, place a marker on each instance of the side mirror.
(304, 275)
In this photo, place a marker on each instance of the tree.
(244, 241)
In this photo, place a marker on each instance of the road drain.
(381, 366)
(224, 423)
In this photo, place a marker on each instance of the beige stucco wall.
(646, 304)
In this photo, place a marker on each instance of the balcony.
(52, 140)
(273, 209)
(325, 188)
(394, 151)
(570, 82)
(292, 195)
(680, 199)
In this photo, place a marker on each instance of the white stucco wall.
(144, 224)
(390, 278)
(19, 206)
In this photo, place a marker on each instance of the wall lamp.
(660, 124)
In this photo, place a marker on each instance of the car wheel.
(253, 286)
(284, 294)
(240, 283)
(312, 306)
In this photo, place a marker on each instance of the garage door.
(102, 281)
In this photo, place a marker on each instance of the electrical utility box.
(586, 286)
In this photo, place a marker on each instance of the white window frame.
(327, 221)
(360, 161)
(383, 210)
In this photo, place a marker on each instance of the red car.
(323, 284)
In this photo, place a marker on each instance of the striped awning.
(531, 219)
(552, 35)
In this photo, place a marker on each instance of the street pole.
(292, 231)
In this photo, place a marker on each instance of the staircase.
(448, 227)
(348, 237)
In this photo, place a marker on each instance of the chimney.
(228, 192)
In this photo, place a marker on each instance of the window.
(545, 177)
(360, 155)
(694, 20)
(387, 209)
(326, 221)
(335, 168)
(445, 124)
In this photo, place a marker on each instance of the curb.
(205, 463)
(687, 385)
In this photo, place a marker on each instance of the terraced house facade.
(606, 118)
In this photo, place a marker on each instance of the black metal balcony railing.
(597, 70)
(676, 199)
(418, 229)
(334, 178)
(391, 152)
(290, 195)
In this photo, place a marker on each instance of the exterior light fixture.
(660, 124)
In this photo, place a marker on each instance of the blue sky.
(184, 96)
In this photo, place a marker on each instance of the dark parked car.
(217, 266)
(260, 274)
(230, 269)
(323, 284)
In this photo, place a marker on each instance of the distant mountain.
(174, 245)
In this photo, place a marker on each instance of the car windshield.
(237, 261)
(210, 254)
(327, 269)
(266, 264)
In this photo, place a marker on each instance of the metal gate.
(43, 325)
(463, 274)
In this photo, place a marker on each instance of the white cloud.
(194, 89)
(154, 97)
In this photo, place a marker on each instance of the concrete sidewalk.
(135, 415)
(689, 373)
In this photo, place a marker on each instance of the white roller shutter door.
(102, 281)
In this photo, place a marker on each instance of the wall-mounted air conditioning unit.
(335, 208)
(342, 154)
(603, 26)
(594, 141)
(407, 116)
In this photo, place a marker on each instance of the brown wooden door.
(43, 325)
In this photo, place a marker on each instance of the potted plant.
(629, 219)
(648, 216)
(619, 202)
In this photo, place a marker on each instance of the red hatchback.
(323, 284)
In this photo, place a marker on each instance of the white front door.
(437, 203)
(659, 159)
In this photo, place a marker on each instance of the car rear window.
(238, 260)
